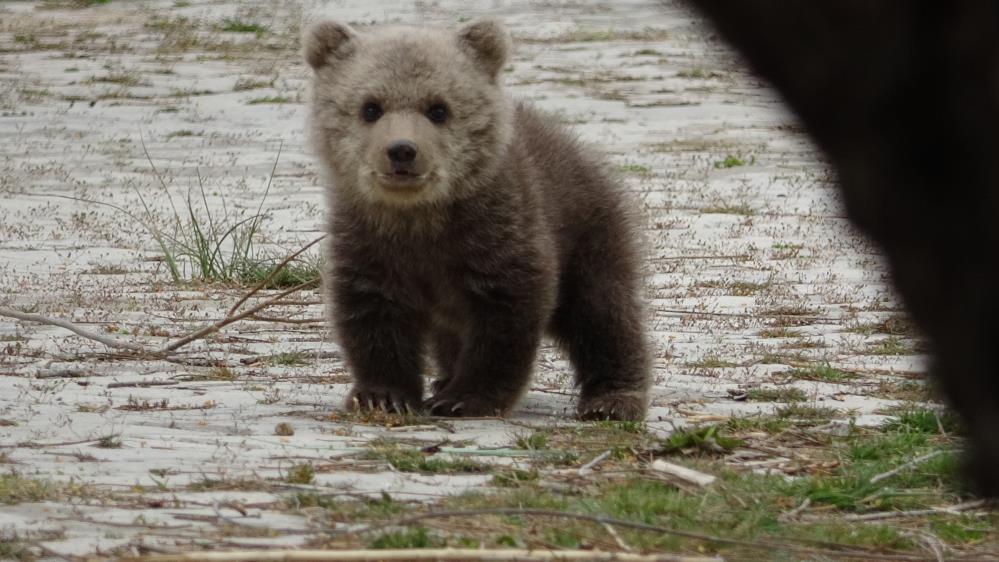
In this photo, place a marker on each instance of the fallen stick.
(945, 510)
(916, 461)
(39, 319)
(495, 555)
(683, 473)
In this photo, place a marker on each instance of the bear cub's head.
(405, 116)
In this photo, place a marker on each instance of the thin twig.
(951, 509)
(918, 460)
(492, 555)
(38, 318)
(271, 275)
(208, 330)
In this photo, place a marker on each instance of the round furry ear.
(488, 42)
(326, 42)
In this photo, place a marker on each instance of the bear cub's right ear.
(327, 42)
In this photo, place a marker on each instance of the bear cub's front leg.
(381, 340)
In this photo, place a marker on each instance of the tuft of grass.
(18, 489)
(730, 209)
(821, 373)
(270, 99)
(180, 133)
(892, 345)
(925, 420)
(731, 161)
(782, 394)
(806, 413)
(244, 84)
(110, 442)
(634, 169)
(535, 441)
(414, 460)
(235, 25)
(303, 473)
(710, 439)
(303, 269)
(410, 538)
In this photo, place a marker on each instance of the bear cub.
(465, 227)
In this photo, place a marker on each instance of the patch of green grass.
(417, 537)
(180, 133)
(821, 373)
(303, 269)
(804, 413)
(515, 477)
(731, 161)
(244, 84)
(893, 326)
(270, 99)
(414, 460)
(13, 549)
(289, 359)
(780, 394)
(634, 169)
(727, 209)
(535, 441)
(892, 345)
(234, 25)
(18, 489)
(710, 439)
(925, 420)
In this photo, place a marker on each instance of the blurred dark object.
(903, 98)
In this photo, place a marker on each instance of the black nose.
(402, 151)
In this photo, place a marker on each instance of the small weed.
(284, 429)
(303, 269)
(303, 473)
(892, 345)
(924, 420)
(270, 99)
(109, 442)
(803, 413)
(725, 209)
(515, 477)
(409, 538)
(707, 439)
(289, 359)
(239, 26)
(731, 161)
(634, 169)
(414, 460)
(536, 441)
(244, 84)
(821, 373)
(782, 394)
(180, 133)
(17, 489)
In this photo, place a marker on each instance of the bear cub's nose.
(402, 152)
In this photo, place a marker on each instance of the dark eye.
(437, 113)
(371, 112)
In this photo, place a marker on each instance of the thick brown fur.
(502, 229)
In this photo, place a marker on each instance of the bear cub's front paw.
(455, 405)
(387, 399)
(615, 405)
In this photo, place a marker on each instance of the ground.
(137, 136)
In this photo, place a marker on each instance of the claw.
(437, 404)
(371, 404)
(457, 406)
(382, 405)
(357, 402)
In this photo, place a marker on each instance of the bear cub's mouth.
(402, 178)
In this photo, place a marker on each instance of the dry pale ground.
(753, 267)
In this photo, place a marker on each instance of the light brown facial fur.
(406, 74)
(466, 235)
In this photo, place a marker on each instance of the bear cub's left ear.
(327, 42)
(488, 42)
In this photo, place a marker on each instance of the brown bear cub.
(464, 228)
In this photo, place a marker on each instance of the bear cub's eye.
(371, 112)
(437, 113)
